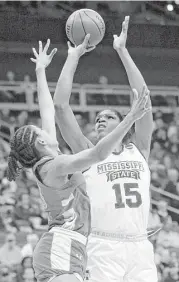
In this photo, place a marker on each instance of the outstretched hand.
(81, 49)
(42, 60)
(139, 109)
(120, 41)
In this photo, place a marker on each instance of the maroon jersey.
(67, 206)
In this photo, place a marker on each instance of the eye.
(111, 117)
(97, 120)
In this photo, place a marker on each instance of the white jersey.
(118, 188)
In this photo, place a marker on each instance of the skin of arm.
(47, 111)
(144, 126)
(65, 118)
(66, 164)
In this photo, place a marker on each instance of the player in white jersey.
(118, 187)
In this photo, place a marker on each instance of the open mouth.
(101, 126)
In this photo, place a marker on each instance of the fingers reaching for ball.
(42, 59)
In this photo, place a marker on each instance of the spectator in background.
(22, 119)
(28, 275)
(4, 151)
(9, 223)
(2, 177)
(23, 211)
(10, 253)
(5, 114)
(154, 220)
(28, 88)
(155, 179)
(167, 161)
(158, 124)
(171, 185)
(165, 237)
(162, 211)
(28, 249)
(161, 137)
(171, 275)
(26, 263)
(103, 80)
(10, 77)
(157, 151)
(5, 274)
(173, 145)
(162, 257)
(7, 192)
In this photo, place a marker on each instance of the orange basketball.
(82, 22)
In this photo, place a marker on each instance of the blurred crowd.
(16, 260)
(56, 9)
(21, 209)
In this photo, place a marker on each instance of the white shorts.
(111, 260)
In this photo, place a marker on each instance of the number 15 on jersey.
(132, 196)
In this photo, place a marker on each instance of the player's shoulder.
(135, 150)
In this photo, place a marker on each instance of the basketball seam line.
(72, 30)
(93, 21)
(83, 25)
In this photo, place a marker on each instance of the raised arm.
(47, 111)
(65, 118)
(70, 163)
(144, 126)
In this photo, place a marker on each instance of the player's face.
(105, 122)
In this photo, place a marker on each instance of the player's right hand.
(42, 60)
(81, 49)
(139, 106)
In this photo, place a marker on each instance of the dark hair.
(118, 114)
(23, 153)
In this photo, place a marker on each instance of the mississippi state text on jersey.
(118, 188)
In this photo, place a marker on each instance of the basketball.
(82, 22)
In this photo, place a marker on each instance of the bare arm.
(47, 111)
(144, 126)
(65, 118)
(71, 163)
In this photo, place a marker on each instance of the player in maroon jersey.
(60, 255)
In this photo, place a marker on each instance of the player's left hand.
(81, 49)
(120, 41)
(42, 59)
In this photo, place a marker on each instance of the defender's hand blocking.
(42, 59)
(81, 49)
(139, 108)
(120, 41)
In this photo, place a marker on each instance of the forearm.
(105, 146)
(44, 97)
(135, 77)
(65, 82)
